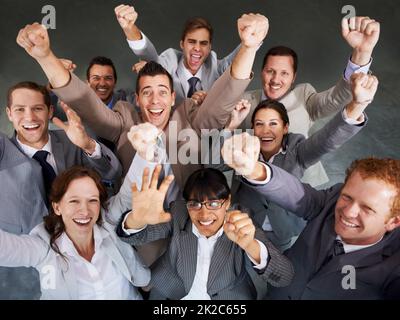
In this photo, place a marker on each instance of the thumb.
(59, 124)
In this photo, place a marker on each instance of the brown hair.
(386, 170)
(193, 24)
(53, 222)
(281, 51)
(153, 69)
(31, 86)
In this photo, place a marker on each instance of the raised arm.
(341, 128)
(362, 34)
(127, 17)
(227, 90)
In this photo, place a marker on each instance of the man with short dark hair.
(102, 78)
(194, 69)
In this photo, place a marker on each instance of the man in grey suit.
(350, 248)
(194, 69)
(29, 110)
(303, 103)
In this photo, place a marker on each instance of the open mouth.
(156, 113)
(31, 127)
(82, 222)
(348, 224)
(206, 223)
(195, 59)
(275, 87)
(267, 140)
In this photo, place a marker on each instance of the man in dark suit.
(350, 248)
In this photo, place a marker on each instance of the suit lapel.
(57, 148)
(187, 261)
(218, 260)
(182, 79)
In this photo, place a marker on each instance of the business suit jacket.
(22, 207)
(171, 59)
(174, 272)
(304, 106)
(298, 155)
(377, 268)
(114, 125)
(67, 154)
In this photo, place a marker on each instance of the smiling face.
(102, 81)
(270, 129)
(30, 117)
(155, 99)
(277, 76)
(207, 221)
(362, 213)
(79, 208)
(196, 48)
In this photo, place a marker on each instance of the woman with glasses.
(209, 245)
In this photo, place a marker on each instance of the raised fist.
(126, 16)
(238, 114)
(144, 139)
(239, 228)
(241, 153)
(253, 29)
(34, 38)
(361, 33)
(363, 87)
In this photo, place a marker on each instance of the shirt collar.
(30, 151)
(353, 247)
(273, 157)
(67, 247)
(212, 238)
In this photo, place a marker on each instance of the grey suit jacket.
(67, 154)
(174, 272)
(171, 59)
(22, 208)
(304, 106)
(377, 267)
(114, 125)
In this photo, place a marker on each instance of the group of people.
(172, 229)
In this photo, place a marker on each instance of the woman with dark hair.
(76, 250)
(209, 246)
(294, 153)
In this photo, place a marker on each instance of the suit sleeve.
(149, 234)
(288, 192)
(21, 250)
(80, 97)
(148, 52)
(279, 271)
(322, 104)
(216, 109)
(329, 138)
(226, 62)
(108, 165)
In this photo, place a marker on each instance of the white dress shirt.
(30, 152)
(98, 279)
(353, 247)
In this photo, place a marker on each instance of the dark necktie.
(47, 170)
(338, 248)
(192, 89)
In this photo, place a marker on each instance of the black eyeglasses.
(210, 205)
